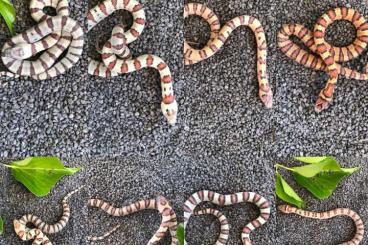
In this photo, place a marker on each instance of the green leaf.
(40, 174)
(311, 159)
(323, 184)
(1, 226)
(286, 193)
(180, 234)
(7, 11)
(316, 165)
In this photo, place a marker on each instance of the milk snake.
(37, 234)
(52, 36)
(287, 209)
(116, 57)
(226, 200)
(220, 35)
(325, 56)
(168, 222)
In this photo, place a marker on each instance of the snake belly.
(220, 35)
(37, 234)
(324, 56)
(358, 237)
(226, 200)
(53, 36)
(116, 56)
(168, 222)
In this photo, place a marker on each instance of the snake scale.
(37, 234)
(326, 56)
(287, 209)
(220, 35)
(53, 36)
(168, 222)
(226, 200)
(116, 56)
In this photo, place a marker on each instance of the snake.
(50, 38)
(287, 209)
(37, 234)
(324, 56)
(161, 204)
(116, 56)
(218, 38)
(225, 200)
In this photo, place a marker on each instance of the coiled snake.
(37, 234)
(287, 209)
(160, 204)
(116, 56)
(220, 35)
(226, 200)
(53, 36)
(325, 55)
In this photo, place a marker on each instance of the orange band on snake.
(325, 55)
(220, 35)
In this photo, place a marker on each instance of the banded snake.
(220, 35)
(226, 200)
(37, 234)
(168, 222)
(325, 57)
(358, 237)
(117, 58)
(52, 36)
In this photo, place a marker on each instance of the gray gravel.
(225, 140)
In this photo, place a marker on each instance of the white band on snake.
(225, 200)
(52, 36)
(37, 234)
(168, 222)
(116, 57)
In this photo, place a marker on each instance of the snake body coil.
(52, 36)
(116, 56)
(37, 234)
(226, 200)
(160, 204)
(325, 55)
(220, 35)
(287, 209)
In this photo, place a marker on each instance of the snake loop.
(51, 37)
(226, 200)
(116, 56)
(358, 237)
(325, 56)
(37, 234)
(220, 35)
(168, 222)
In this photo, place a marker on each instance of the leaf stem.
(284, 167)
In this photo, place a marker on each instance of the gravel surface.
(225, 140)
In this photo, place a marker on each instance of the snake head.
(265, 94)
(321, 104)
(170, 110)
(20, 229)
(19, 52)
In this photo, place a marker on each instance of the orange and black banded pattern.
(324, 56)
(359, 225)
